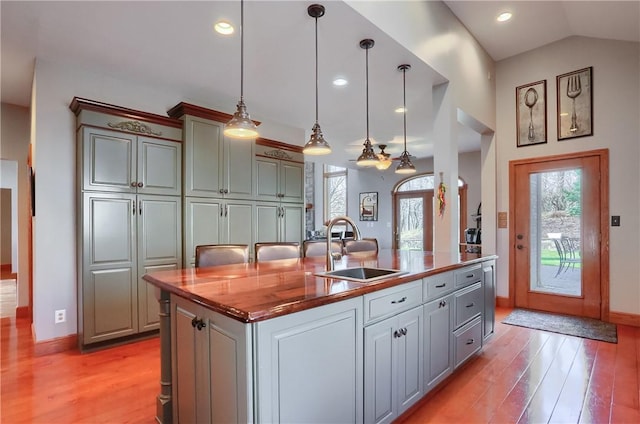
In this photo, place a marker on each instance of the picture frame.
(369, 206)
(531, 114)
(575, 104)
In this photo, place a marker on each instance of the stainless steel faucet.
(356, 236)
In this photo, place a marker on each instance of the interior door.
(414, 225)
(556, 240)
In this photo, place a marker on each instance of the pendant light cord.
(367, 80)
(241, 49)
(404, 106)
(316, 70)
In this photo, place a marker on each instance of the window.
(335, 191)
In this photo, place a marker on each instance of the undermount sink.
(361, 274)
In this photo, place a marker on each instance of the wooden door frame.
(603, 156)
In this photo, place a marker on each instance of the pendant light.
(316, 145)
(405, 166)
(368, 156)
(241, 126)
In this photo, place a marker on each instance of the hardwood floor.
(522, 375)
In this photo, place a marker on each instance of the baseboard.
(57, 345)
(624, 318)
(503, 302)
(22, 312)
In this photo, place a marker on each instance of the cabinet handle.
(403, 331)
(133, 183)
(197, 323)
(470, 276)
(140, 208)
(399, 301)
(140, 185)
(221, 191)
(396, 334)
(226, 191)
(221, 210)
(471, 341)
(439, 286)
(226, 210)
(470, 305)
(133, 209)
(443, 303)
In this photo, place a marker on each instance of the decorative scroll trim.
(278, 154)
(135, 126)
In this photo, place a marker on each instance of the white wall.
(15, 148)
(55, 158)
(616, 113)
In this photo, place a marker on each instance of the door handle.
(519, 236)
(520, 247)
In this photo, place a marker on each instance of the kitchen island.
(274, 342)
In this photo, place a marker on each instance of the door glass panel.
(555, 232)
(411, 223)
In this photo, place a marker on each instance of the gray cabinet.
(489, 284)
(279, 179)
(309, 365)
(122, 162)
(129, 216)
(278, 222)
(438, 349)
(211, 358)
(215, 166)
(216, 221)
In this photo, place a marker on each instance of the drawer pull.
(470, 276)
(471, 305)
(439, 286)
(197, 323)
(399, 301)
(443, 303)
(471, 341)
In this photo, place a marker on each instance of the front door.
(556, 207)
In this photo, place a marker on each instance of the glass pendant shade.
(368, 156)
(383, 164)
(405, 166)
(241, 126)
(316, 145)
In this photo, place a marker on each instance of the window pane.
(335, 191)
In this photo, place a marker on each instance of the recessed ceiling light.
(224, 28)
(399, 110)
(340, 82)
(504, 16)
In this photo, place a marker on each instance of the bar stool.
(315, 248)
(366, 245)
(221, 254)
(274, 251)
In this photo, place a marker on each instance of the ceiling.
(171, 44)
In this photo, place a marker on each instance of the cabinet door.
(148, 306)
(201, 226)
(489, 285)
(310, 366)
(203, 150)
(291, 222)
(410, 358)
(108, 288)
(380, 369)
(267, 219)
(238, 222)
(267, 178)
(109, 160)
(238, 168)
(159, 166)
(291, 181)
(438, 353)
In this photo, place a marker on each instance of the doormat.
(587, 328)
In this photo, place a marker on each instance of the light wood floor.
(522, 375)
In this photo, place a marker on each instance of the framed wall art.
(575, 104)
(531, 113)
(369, 206)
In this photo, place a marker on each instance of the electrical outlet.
(61, 316)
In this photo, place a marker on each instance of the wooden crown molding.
(183, 108)
(278, 145)
(78, 104)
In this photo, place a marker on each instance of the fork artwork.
(574, 88)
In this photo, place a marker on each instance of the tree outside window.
(335, 191)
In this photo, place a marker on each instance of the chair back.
(274, 251)
(221, 254)
(366, 245)
(314, 248)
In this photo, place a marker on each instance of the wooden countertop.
(259, 291)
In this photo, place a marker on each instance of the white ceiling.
(172, 44)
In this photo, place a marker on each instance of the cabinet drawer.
(391, 301)
(468, 275)
(437, 285)
(468, 303)
(467, 340)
